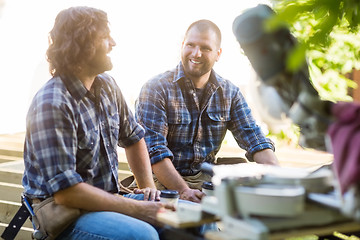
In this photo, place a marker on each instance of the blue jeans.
(110, 226)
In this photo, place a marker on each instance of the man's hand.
(193, 195)
(171, 179)
(266, 156)
(150, 194)
(147, 211)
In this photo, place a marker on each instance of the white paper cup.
(208, 188)
(169, 196)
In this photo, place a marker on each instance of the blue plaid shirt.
(188, 131)
(72, 136)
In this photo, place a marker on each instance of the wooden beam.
(10, 192)
(11, 176)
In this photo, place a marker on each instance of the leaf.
(296, 58)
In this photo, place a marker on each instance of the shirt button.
(179, 120)
(221, 118)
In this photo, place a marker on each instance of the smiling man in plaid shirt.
(187, 111)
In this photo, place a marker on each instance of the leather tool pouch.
(127, 185)
(54, 218)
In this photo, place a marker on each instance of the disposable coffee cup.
(169, 196)
(208, 188)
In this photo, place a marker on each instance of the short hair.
(204, 25)
(72, 39)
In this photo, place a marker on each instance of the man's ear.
(219, 54)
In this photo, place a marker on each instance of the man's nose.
(197, 52)
(112, 42)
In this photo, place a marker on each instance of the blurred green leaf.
(296, 58)
(328, 33)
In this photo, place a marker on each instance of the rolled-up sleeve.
(151, 114)
(51, 149)
(130, 131)
(245, 130)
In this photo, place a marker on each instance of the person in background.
(74, 125)
(187, 111)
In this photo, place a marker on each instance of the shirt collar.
(179, 72)
(77, 88)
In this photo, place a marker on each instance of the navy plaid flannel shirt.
(179, 128)
(72, 136)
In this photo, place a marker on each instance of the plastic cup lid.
(169, 194)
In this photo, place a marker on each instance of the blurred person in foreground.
(74, 125)
(187, 111)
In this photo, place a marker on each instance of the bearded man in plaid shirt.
(187, 111)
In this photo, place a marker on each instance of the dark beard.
(97, 66)
(195, 74)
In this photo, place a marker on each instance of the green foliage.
(288, 136)
(310, 237)
(327, 33)
(345, 237)
(336, 234)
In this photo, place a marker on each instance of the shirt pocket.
(89, 140)
(87, 147)
(216, 125)
(180, 130)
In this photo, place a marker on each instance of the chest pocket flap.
(219, 116)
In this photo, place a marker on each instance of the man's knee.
(110, 225)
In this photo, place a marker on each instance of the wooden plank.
(13, 166)
(7, 158)
(18, 146)
(124, 166)
(8, 210)
(9, 151)
(19, 136)
(11, 176)
(11, 172)
(124, 174)
(288, 156)
(10, 191)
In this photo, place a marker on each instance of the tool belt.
(48, 218)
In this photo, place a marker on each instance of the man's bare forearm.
(168, 176)
(87, 197)
(90, 198)
(139, 162)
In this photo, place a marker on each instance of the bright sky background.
(148, 34)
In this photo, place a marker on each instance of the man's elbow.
(64, 196)
(59, 198)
